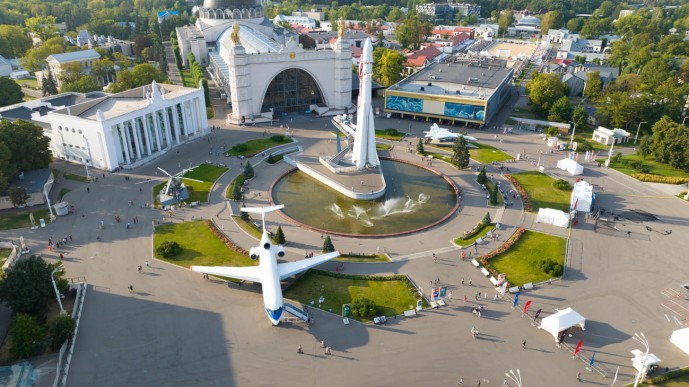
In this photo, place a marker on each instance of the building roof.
(418, 58)
(74, 56)
(473, 80)
(165, 13)
(4, 61)
(325, 36)
(33, 180)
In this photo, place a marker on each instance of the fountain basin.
(416, 198)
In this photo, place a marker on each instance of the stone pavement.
(178, 329)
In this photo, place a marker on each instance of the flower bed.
(225, 239)
(528, 206)
(505, 246)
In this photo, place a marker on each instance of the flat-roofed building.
(465, 92)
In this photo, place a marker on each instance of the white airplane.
(268, 272)
(442, 134)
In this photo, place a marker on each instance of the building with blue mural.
(469, 92)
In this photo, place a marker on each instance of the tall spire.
(364, 150)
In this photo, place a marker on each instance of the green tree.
(10, 92)
(482, 178)
(43, 27)
(551, 20)
(388, 66)
(103, 69)
(363, 308)
(594, 85)
(146, 73)
(493, 195)
(29, 148)
(244, 216)
(34, 59)
(486, 219)
(395, 15)
(18, 196)
(575, 25)
(84, 84)
(27, 286)
(544, 90)
(61, 330)
(280, 236)
(328, 246)
(413, 31)
(671, 143)
(460, 153)
(168, 249)
(579, 116)
(645, 147)
(561, 111)
(14, 43)
(419, 147)
(505, 20)
(248, 170)
(237, 194)
(48, 85)
(28, 337)
(6, 167)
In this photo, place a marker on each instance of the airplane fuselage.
(272, 291)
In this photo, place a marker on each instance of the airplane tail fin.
(263, 211)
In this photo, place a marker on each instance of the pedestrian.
(323, 344)
(70, 237)
(479, 383)
(470, 281)
(465, 298)
(461, 381)
(579, 376)
(524, 344)
(88, 190)
(61, 256)
(50, 248)
(504, 383)
(299, 350)
(476, 296)
(450, 295)
(139, 268)
(327, 351)
(147, 264)
(131, 288)
(462, 281)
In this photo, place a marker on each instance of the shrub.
(245, 216)
(61, 331)
(486, 219)
(562, 185)
(363, 308)
(168, 249)
(419, 147)
(236, 193)
(481, 178)
(584, 146)
(248, 170)
(552, 131)
(270, 159)
(27, 336)
(549, 266)
(392, 132)
(239, 148)
(210, 113)
(328, 246)
(277, 138)
(617, 157)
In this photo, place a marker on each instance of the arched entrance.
(292, 90)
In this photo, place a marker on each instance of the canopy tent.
(553, 216)
(561, 321)
(582, 197)
(638, 360)
(680, 338)
(570, 166)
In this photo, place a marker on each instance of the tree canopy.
(13, 41)
(27, 286)
(413, 31)
(10, 92)
(460, 153)
(388, 66)
(28, 147)
(544, 90)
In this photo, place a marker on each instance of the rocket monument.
(364, 149)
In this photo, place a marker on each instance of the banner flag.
(516, 300)
(538, 313)
(576, 351)
(593, 360)
(526, 307)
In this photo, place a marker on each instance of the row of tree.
(668, 144)
(198, 76)
(23, 147)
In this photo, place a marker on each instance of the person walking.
(579, 376)
(327, 351)
(450, 295)
(61, 256)
(323, 344)
(461, 381)
(70, 237)
(465, 298)
(131, 288)
(88, 190)
(147, 265)
(140, 269)
(524, 344)
(470, 281)
(299, 350)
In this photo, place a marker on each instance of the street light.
(641, 375)
(57, 294)
(639, 128)
(87, 158)
(47, 198)
(517, 379)
(571, 141)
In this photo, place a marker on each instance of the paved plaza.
(177, 329)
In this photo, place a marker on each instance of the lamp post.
(517, 379)
(57, 294)
(639, 337)
(47, 198)
(571, 141)
(86, 160)
(639, 128)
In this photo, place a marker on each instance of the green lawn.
(187, 79)
(277, 158)
(520, 262)
(63, 192)
(395, 136)
(206, 172)
(198, 191)
(383, 146)
(682, 381)
(439, 156)
(391, 297)
(540, 189)
(256, 146)
(75, 177)
(485, 154)
(656, 168)
(353, 257)
(200, 247)
(470, 240)
(30, 83)
(21, 219)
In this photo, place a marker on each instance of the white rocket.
(364, 150)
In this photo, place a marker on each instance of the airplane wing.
(248, 273)
(289, 269)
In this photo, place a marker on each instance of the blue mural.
(461, 110)
(406, 104)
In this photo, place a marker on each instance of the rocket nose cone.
(368, 49)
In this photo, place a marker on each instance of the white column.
(175, 117)
(183, 106)
(145, 129)
(194, 115)
(166, 120)
(127, 149)
(159, 128)
(137, 140)
(155, 131)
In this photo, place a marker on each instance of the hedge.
(650, 178)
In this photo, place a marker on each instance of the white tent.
(680, 338)
(553, 216)
(562, 320)
(570, 166)
(582, 197)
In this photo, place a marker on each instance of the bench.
(494, 281)
(441, 303)
(345, 321)
(514, 289)
(379, 320)
(410, 313)
(475, 263)
(528, 286)
(485, 271)
(434, 305)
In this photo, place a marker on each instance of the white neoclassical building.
(129, 128)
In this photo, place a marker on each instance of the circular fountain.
(415, 198)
